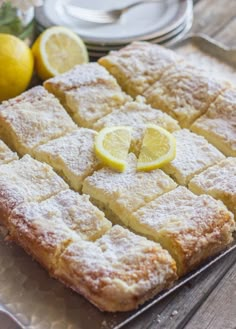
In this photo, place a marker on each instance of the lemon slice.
(57, 50)
(158, 148)
(112, 146)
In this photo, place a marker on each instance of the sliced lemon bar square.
(138, 65)
(80, 75)
(26, 180)
(193, 155)
(136, 115)
(120, 194)
(44, 228)
(6, 155)
(190, 227)
(218, 125)
(88, 92)
(184, 92)
(118, 272)
(31, 119)
(218, 181)
(72, 156)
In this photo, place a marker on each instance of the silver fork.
(102, 16)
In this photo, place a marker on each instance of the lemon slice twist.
(158, 148)
(112, 146)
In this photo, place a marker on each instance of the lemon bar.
(218, 181)
(72, 156)
(120, 194)
(193, 155)
(218, 125)
(88, 92)
(42, 238)
(190, 227)
(26, 180)
(31, 119)
(136, 115)
(44, 229)
(184, 92)
(80, 75)
(118, 272)
(138, 65)
(6, 155)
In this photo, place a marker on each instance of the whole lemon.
(16, 66)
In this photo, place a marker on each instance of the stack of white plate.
(164, 21)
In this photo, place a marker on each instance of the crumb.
(157, 319)
(175, 312)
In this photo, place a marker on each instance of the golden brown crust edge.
(107, 292)
(212, 243)
(110, 304)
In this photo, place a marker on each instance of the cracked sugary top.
(141, 57)
(27, 180)
(220, 119)
(193, 155)
(182, 212)
(135, 114)
(32, 96)
(185, 92)
(76, 150)
(87, 104)
(221, 176)
(82, 75)
(32, 119)
(219, 181)
(138, 65)
(117, 266)
(69, 208)
(130, 189)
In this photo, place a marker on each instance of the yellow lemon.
(112, 146)
(16, 66)
(57, 50)
(158, 148)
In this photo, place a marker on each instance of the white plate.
(147, 21)
(97, 53)
(181, 30)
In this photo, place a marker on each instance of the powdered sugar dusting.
(218, 125)
(73, 155)
(219, 181)
(125, 192)
(135, 114)
(193, 155)
(81, 75)
(117, 267)
(185, 215)
(33, 118)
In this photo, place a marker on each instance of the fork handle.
(138, 3)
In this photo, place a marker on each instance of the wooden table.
(209, 301)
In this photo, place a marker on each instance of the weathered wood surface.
(209, 301)
(228, 34)
(212, 16)
(219, 309)
(216, 18)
